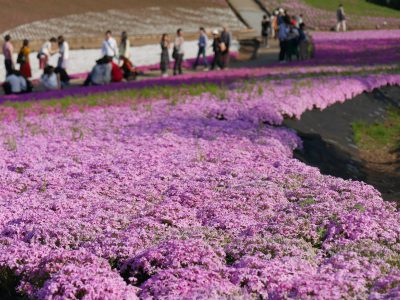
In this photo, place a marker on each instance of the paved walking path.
(250, 12)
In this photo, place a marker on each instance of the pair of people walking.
(221, 47)
(178, 53)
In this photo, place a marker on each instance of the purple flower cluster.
(199, 199)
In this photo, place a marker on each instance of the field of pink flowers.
(199, 199)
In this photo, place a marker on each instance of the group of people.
(18, 81)
(115, 63)
(220, 45)
(290, 30)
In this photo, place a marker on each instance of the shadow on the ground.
(328, 158)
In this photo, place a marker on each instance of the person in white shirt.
(109, 47)
(49, 79)
(15, 83)
(45, 52)
(64, 53)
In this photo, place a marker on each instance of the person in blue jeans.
(203, 41)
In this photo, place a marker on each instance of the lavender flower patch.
(163, 201)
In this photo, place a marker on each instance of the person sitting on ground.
(128, 69)
(109, 47)
(15, 83)
(216, 45)
(23, 60)
(101, 72)
(116, 73)
(49, 79)
(45, 52)
(8, 50)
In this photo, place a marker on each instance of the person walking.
(23, 60)
(265, 28)
(109, 47)
(45, 52)
(8, 50)
(203, 42)
(164, 62)
(179, 51)
(341, 18)
(216, 46)
(226, 40)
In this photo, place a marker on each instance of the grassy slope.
(356, 7)
(385, 135)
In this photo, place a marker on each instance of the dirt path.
(328, 141)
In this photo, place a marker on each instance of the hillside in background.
(89, 18)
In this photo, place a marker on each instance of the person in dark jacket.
(341, 18)
(216, 46)
(265, 29)
(164, 62)
(226, 41)
(203, 41)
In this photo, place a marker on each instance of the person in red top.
(116, 73)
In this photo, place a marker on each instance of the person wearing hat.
(217, 48)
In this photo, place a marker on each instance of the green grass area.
(356, 7)
(379, 135)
